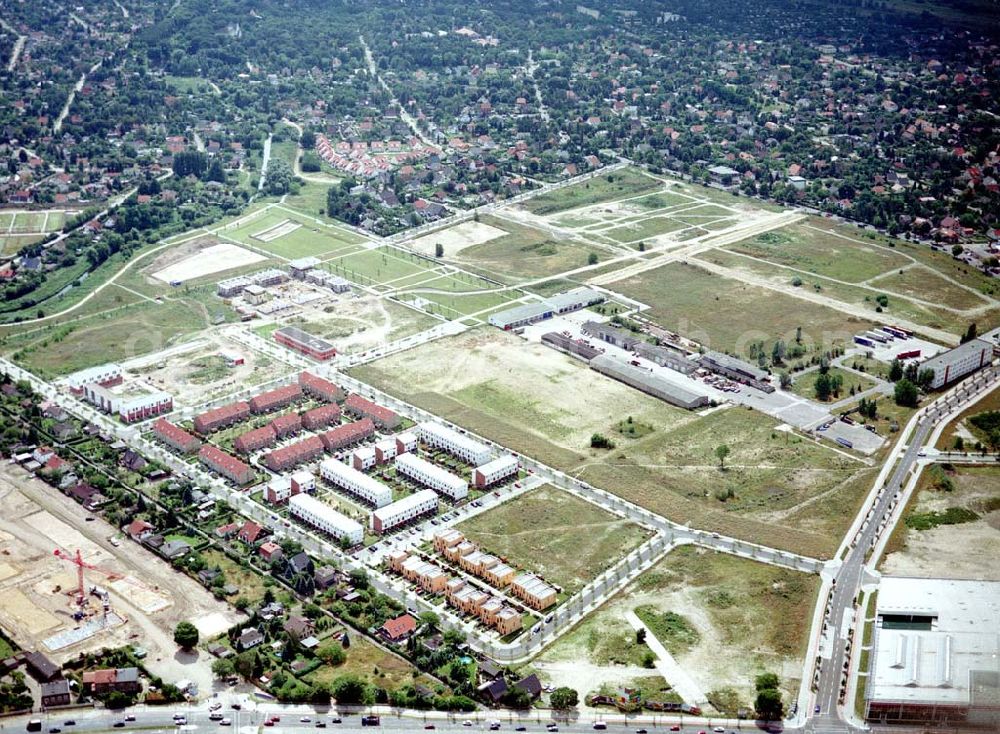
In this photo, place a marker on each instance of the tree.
(895, 371)
(216, 172)
(247, 665)
(906, 394)
(348, 689)
(563, 698)
(223, 668)
(430, 620)
(766, 680)
(600, 441)
(778, 352)
(957, 250)
(332, 653)
(971, 333)
(438, 250)
(516, 698)
(768, 704)
(721, 452)
(592, 258)
(785, 380)
(823, 387)
(186, 635)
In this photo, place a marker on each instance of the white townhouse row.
(402, 511)
(357, 483)
(430, 475)
(495, 471)
(467, 449)
(321, 516)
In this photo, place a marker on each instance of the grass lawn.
(990, 402)
(311, 200)
(672, 630)
(452, 307)
(663, 200)
(726, 315)
(644, 229)
(753, 605)
(567, 540)
(922, 282)
(525, 252)
(309, 239)
(371, 662)
(250, 583)
(624, 183)
(139, 329)
(383, 265)
(822, 253)
(12, 244)
(805, 384)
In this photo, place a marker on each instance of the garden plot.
(213, 259)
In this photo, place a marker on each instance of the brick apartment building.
(321, 417)
(221, 417)
(296, 453)
(287, 425)
(320, 388)
(272, 400)
(225, 465)
(348, 434)
(175, 437)
(361, 407)
(255, 439)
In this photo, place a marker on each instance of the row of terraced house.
(529, 588)
(490, 610)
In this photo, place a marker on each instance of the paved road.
(826, 718)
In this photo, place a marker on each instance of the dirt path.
(403, 114)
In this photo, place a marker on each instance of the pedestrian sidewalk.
(666, 666)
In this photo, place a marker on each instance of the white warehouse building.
(351, 480)
(402, 511)
(311, 511)
(433, 476)
(494, 471)
(467, 449)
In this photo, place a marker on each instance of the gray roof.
(648, 382)
(575, 296)
(733, 363)
(957, 354)
(303, 337)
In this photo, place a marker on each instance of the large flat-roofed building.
(426, 575)
(299, 268)
(355, 482)
(457, 444)
(573, 347)
(736, 369)
(665, 357)
(232, 286)
(935, 653)
(403, 511)
(958, 362)
(364, 408)
(321, 516)
(647, 382)
(495, 471)
(129, 408)
(305, 343)
(430, 475)
(574, 300)
(622, 338)
(280, 489)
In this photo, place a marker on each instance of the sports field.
(275, 232)
(566, 539)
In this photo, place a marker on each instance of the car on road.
(305, 719)
(54, 730)
(467, 722)
(69, 722)
(215, 706)
(320, 724)
(719, 730)
(130, 717)
(118, 724)
(268, 722)
(816, 709)
(430, 726)
(675, 727)
(237, 706)
(335, 720)
(226, 722)
(494, 726)
(520, 728)
(215, 716)
(641, 731)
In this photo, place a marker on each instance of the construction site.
(71, 583)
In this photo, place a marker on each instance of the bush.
(600, 441)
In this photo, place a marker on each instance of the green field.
(311, 239)
(805, 384)
(551, 532)
(663, 200)
(925, 284)
(139, 329)
(822, 253)
(625, 183)
(726, 315)
(378, 267)
(525, 252)
(644, 229)
(456, 306)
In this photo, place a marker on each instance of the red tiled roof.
(172, 434)
(275, 398)
(223, 462)
(348, 433)
(399, 627)
(317, 385)
(321, 416)
(295, 453)
(367, 407)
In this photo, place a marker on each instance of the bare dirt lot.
(541, 391)
(967, 550)
(457, 238)
(199, 375)
(207, 260)
(749, 618)
(36, 591)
